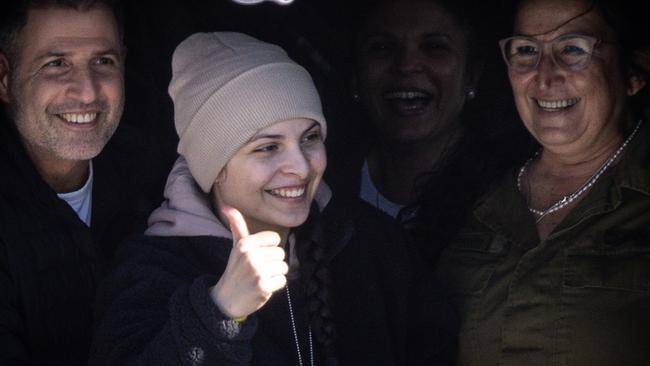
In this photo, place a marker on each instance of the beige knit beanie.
(226, 87)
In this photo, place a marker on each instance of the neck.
(61, 175)
(283, 232)
(578, 158)
(284, 237)
(396, 167)
(579, 164)
(66, 179)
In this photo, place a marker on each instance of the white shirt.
(81, 200)
(370, 194)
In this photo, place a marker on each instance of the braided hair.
(315, 273)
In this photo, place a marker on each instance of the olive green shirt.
(581, 297)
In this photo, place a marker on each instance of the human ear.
(4, 78)
(473, 72)
(638, 75)
(635, 84)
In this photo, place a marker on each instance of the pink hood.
(187, 211)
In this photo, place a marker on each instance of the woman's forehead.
(550, 18)
(290, 126)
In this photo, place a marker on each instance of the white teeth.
(288, 192)
(405, 95)
(79, 117)
(552, 105)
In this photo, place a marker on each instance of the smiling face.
(273, 178)
(412, 70)
(65, 86)
(571, 111)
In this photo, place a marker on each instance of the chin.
(293, 220)
(554, 137)
(80, 153)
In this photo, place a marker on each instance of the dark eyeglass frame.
(543, 47)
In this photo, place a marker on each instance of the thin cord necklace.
(295, 333)
(566, 200)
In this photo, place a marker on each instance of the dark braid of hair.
(316, 281)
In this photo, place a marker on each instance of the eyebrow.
(271, 136)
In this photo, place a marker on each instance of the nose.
(407, 59)
(296, 162)
(84, 85)
(549, 73)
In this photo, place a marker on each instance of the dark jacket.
(50, 261)
(156, 308)
(446, 193)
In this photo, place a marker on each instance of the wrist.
(240, 319)
(217, 299)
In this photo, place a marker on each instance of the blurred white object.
(251, 2)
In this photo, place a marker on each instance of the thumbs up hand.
(255, 269)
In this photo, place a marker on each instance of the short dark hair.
(13, 18)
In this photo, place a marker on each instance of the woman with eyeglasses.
(553, 265)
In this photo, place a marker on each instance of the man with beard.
(67, 198)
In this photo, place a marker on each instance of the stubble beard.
(47, 134)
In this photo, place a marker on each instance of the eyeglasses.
(571, 52)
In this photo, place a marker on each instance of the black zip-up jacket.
(50, 261)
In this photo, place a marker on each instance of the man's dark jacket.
(50, 261)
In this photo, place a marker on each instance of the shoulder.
(128, 180)
(361, 233)
(359, 219)
(174, 257)
(176, 248)
(186, 256)
(151, 269)
(343, 173)
(16, 164)
(358, 211)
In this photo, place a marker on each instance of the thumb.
(236, 221)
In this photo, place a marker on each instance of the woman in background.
(427, 150)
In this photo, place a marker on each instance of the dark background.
(316, 33)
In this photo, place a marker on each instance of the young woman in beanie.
(250, 260)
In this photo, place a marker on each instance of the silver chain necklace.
(295, 333)
(566, 200)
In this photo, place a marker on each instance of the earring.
(471, 93)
